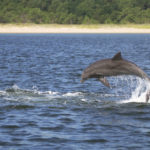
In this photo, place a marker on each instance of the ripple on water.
(44, 105)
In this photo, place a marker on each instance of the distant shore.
(56, 28)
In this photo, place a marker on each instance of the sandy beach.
(34, 28)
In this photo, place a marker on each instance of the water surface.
(43, 105)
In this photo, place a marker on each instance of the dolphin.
(114, 66)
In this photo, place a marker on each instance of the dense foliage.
(75, 11)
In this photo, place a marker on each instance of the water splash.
(126, 90)
(16, 93)
(138, 94)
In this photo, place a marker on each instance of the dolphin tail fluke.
(104, 81)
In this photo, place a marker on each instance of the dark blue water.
(44, 106)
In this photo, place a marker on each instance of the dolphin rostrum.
(114, 66)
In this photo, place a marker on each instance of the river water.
(44, 106)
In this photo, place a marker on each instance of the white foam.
(72, 94)
(17, 93)
(2, 93)
(84, 100)
(52, 93)
(15, 87)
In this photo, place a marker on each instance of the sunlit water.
(44, 105)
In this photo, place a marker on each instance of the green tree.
(75, 11)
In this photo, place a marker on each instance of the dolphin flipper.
(104, 81)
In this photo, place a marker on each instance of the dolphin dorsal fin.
(117, 56)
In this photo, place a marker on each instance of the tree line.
(75, 11)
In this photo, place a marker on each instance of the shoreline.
(56, 28)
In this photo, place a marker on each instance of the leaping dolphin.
(114, 66)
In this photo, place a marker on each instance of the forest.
(75, 11)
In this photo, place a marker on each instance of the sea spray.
(129, 89)
(138, 94)
(122, 86)
(124, 89)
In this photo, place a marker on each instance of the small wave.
(72, 94)
(138, 89)
(2, 93)
(15, 93)
(51, 93)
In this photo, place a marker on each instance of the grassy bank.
(143, 26)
